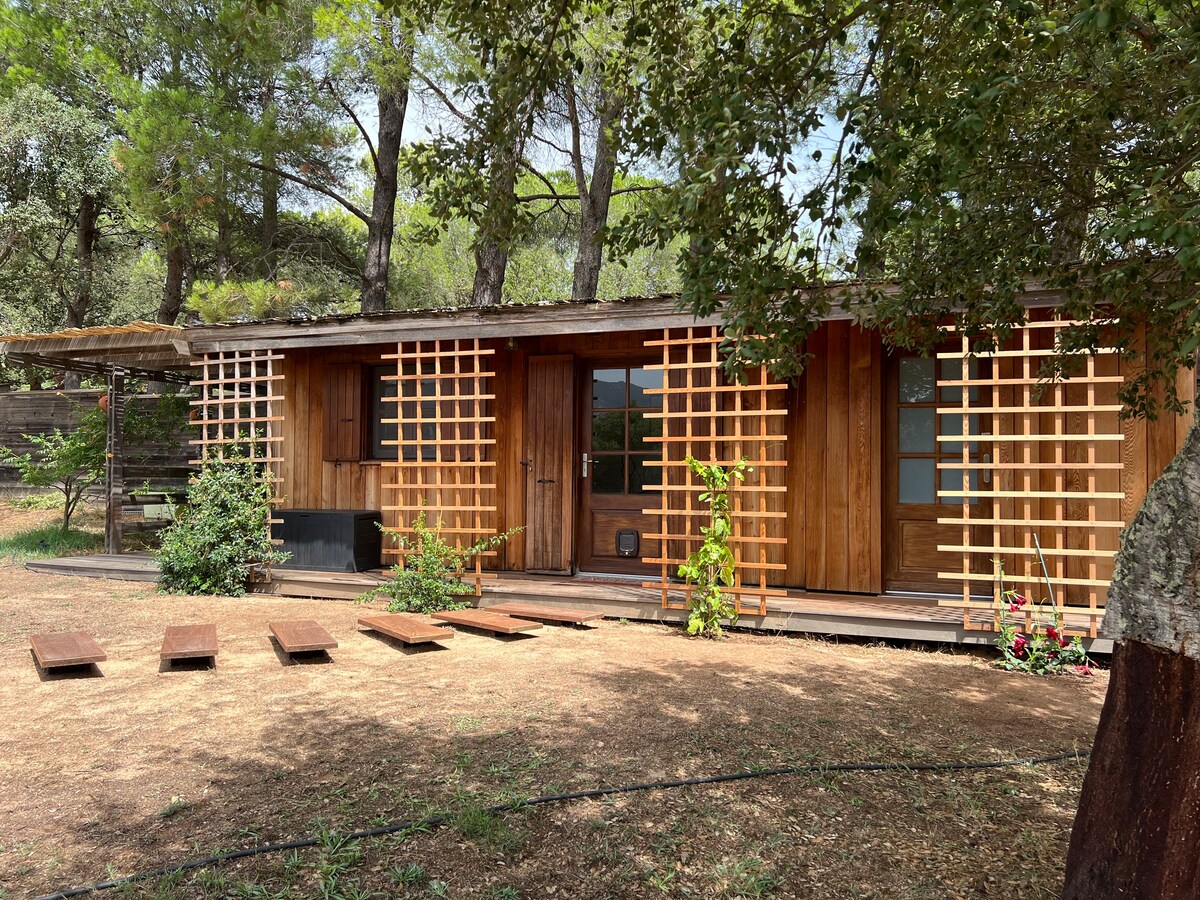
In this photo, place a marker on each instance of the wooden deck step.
(301, 636)
(189, 642)
(406, 628)
(69, 648)
(487, 620)
(545, 613)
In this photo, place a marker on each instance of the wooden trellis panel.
(240, 405)
(1047, 463)
(714, 421)
(446, 442)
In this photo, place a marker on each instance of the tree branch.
(354, 118)
(312, 186)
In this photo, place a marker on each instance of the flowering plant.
(1042, 649)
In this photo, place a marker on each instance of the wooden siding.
(835, 483)
(834, 448)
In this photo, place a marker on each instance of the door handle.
(545, 481)
(584, 470)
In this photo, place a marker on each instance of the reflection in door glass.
(608, 474)
(917, 434)
(917, 379)
(608, 388)
(608, 431)
(643, 478)
(642, 380)
(917, 480)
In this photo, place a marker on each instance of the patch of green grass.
(50, 541)
(748, 878)
(37, 501)
(476, 823)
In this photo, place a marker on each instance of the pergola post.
(114, 482)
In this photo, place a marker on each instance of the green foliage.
(258, 299)
(221, 534)
(712, 565)
(431, 577)
(1034, 643)
(70, 462)
(49, 541)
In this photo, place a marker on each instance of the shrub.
(221, 534)
(431, 577)
(712, 564)
(69, 462)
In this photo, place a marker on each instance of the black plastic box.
(330, 540)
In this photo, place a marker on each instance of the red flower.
(1054, 635)
(1016, 601)
(1083, 670)
(1019, 643)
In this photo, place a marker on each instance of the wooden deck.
(904, 617)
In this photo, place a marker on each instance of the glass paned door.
(914, 481)
(616, 471)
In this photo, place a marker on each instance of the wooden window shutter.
(343, 413)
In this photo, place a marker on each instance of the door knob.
(545, 481)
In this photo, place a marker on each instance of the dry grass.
(138, 766)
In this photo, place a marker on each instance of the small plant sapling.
(712, 566)
(70, 462)
(430, 579)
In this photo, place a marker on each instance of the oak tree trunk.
(496, 231)
(1137, 832)
(593, 212)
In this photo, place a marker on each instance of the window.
(421, 400)
(919, 449)
(620, 445)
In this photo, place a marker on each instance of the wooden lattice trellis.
(709, 419)
(446, 463)
(1047, 462)
(240, 405)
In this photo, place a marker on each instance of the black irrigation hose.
(435, 821)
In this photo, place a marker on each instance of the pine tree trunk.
(269, 188)
(1137, 831)
(172, 300)
(492, 242)
(392, 108)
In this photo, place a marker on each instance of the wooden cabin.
(888, 493)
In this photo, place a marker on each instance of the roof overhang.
(513, 320)
(524, 320)
(142, 349)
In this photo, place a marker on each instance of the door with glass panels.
(912, 475)
(617, 478)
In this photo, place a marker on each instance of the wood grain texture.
(301, 636)
(484, 620)
(72, 648)
(189, 642)
(406, 628)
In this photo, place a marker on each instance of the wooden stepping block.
(406, 628)
(487, 620)
(545, 613)
(70, 648)
(189, 642)
(301, 636)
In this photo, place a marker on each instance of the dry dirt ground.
(132, 766)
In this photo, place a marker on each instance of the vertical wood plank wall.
(834, 448)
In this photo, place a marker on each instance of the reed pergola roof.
(142, 349)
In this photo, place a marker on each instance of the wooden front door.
(549, 464)
(616, 481)
(912, 480)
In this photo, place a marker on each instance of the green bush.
(221, 533)
(431, 577)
